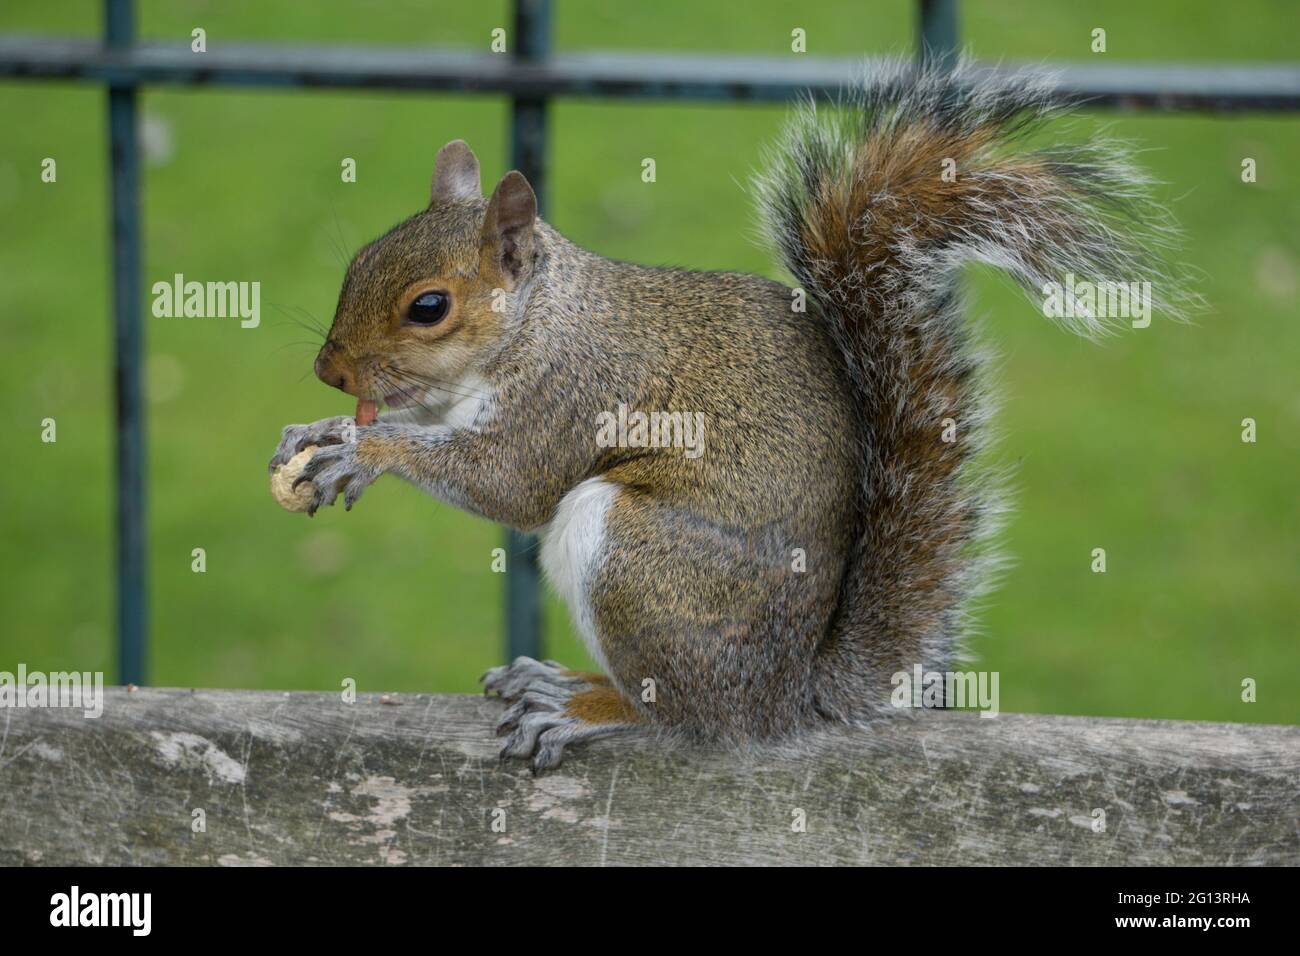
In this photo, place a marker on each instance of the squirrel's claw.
(510, 681)
(537, 725)
(294, 438)
(332, 469)
(532, 701)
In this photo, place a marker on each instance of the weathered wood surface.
(306, 778)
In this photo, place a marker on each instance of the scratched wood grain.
(304, 778)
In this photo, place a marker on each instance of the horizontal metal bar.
(1209, 86)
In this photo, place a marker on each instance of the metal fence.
(530, 76)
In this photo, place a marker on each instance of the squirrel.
(834, 532)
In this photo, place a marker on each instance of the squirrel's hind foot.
(511, 681)
(552, 707)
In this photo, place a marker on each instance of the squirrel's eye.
(429, 309)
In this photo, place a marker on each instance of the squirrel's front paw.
(339, 430)
(335, 469)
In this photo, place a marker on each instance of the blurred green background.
(1133, 445)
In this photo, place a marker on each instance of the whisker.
(306, 327)
(321, 328)
(416, 397)
(419, 397)
(413, 383)
(288, 345)
(447, 388)
(459, 389)
(340, 253)
(343, 243)
(387, 384)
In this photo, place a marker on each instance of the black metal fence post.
(530, 41)
(132, 566)
(938, 32)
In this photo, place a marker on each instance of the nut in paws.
(335, 469)
(328, 431)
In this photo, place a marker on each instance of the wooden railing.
(218, 777)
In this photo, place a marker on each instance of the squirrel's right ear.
(455, 174)
(508, 241)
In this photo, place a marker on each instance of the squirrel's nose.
(329, 370)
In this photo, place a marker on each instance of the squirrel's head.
(422, 303)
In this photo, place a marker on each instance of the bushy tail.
(873, 205)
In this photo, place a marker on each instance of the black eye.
(429, 309)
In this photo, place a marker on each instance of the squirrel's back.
(736, 350)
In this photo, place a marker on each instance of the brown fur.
(602, 705)
(588, 676)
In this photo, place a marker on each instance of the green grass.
(1132, 446)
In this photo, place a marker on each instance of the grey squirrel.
(830, 535)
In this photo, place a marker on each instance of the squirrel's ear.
(455, 174)
(508, 240)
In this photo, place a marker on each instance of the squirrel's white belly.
(572, 550)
